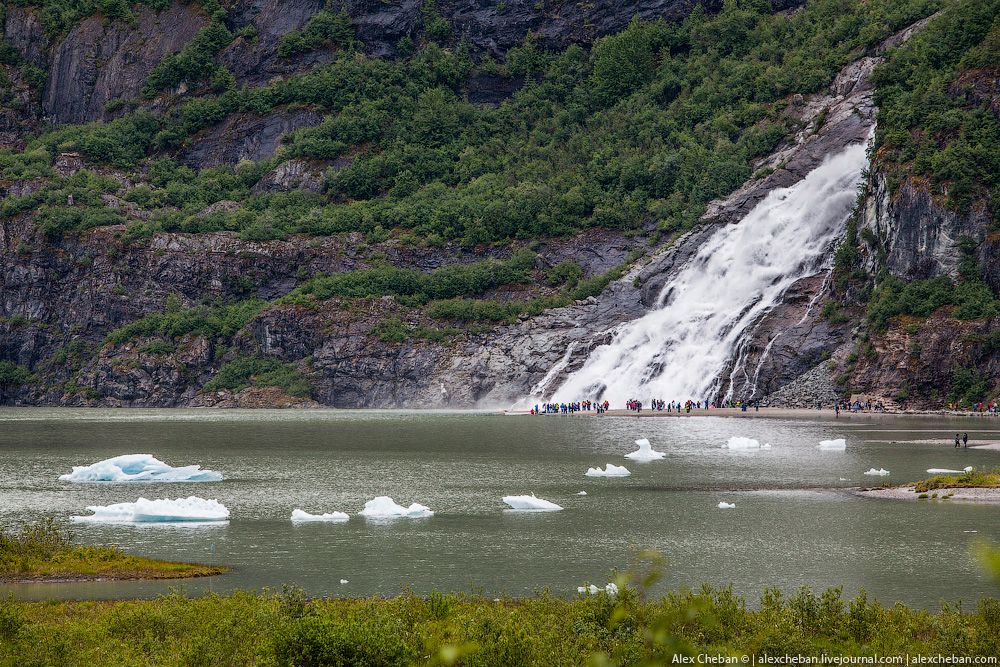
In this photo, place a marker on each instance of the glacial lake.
(794, 524)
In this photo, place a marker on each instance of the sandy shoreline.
(969, 495)
(780, 413)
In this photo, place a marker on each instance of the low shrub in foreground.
(289, 629)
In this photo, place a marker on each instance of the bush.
(245, 371)
(13, 375)
(362, 641)
(323, 28)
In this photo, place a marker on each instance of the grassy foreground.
(43, 551)
(974, 479)
(288, 629)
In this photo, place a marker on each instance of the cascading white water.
(679, 349)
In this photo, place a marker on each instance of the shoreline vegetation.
(629, 628)
(977, 486)
(45, 552)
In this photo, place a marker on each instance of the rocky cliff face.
(60, 300)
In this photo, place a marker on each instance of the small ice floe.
(881, 472)
(344, 581)
(187, 510)
(530, 504)
(300, 516)
(384, 507)
(581, 493)
(138, 468)
(837, 445)
(723, 505)
(611, 589)
(645, 452)
(844, 479)
(611, 470)
(970, 531)
(737, 442)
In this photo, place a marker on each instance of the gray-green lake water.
(794, 522)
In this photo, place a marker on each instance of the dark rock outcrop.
(99, 61)
(245, 137)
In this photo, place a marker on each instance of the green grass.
(974, 479)
(44, 550)
(288, 629)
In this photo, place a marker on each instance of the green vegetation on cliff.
(643, 130)
(934, 119)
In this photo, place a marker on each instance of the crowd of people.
(566, 408)
(659, 405)
(856, 406)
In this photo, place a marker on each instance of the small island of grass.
(972, 485)
(44, 551)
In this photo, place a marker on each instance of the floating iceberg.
(645, 452)
(611, 589)
(736, 442)
(948, 471)
(531, 504)
(138, 468)
(384, 507)
(837, 445)
(581, 493)
(881, 472)
(723, 505)
(611, 470)
(344, 581)
(193, 509)
(300, 516)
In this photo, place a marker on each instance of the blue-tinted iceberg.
(611, 470)
(384, 507)
(163, 510)
(139, 468)
(531, 504)
(300, 516)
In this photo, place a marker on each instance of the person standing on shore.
(956, 441)
(965, 440)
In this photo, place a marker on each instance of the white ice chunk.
(531, 504)
(301, 516)
(138, 468)
(943, 471)
(611, 470)
(968, 469)
(192, 509)
(384, 507)
(344, 581)
(645, 452)
(837, 445)
(723, 505)
(611, 589)
(581, 493)
(881, 472)
(737, 442)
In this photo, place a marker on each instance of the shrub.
(245, 371)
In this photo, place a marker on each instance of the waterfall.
(679, 349)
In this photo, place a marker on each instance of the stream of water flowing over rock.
(679, 349)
